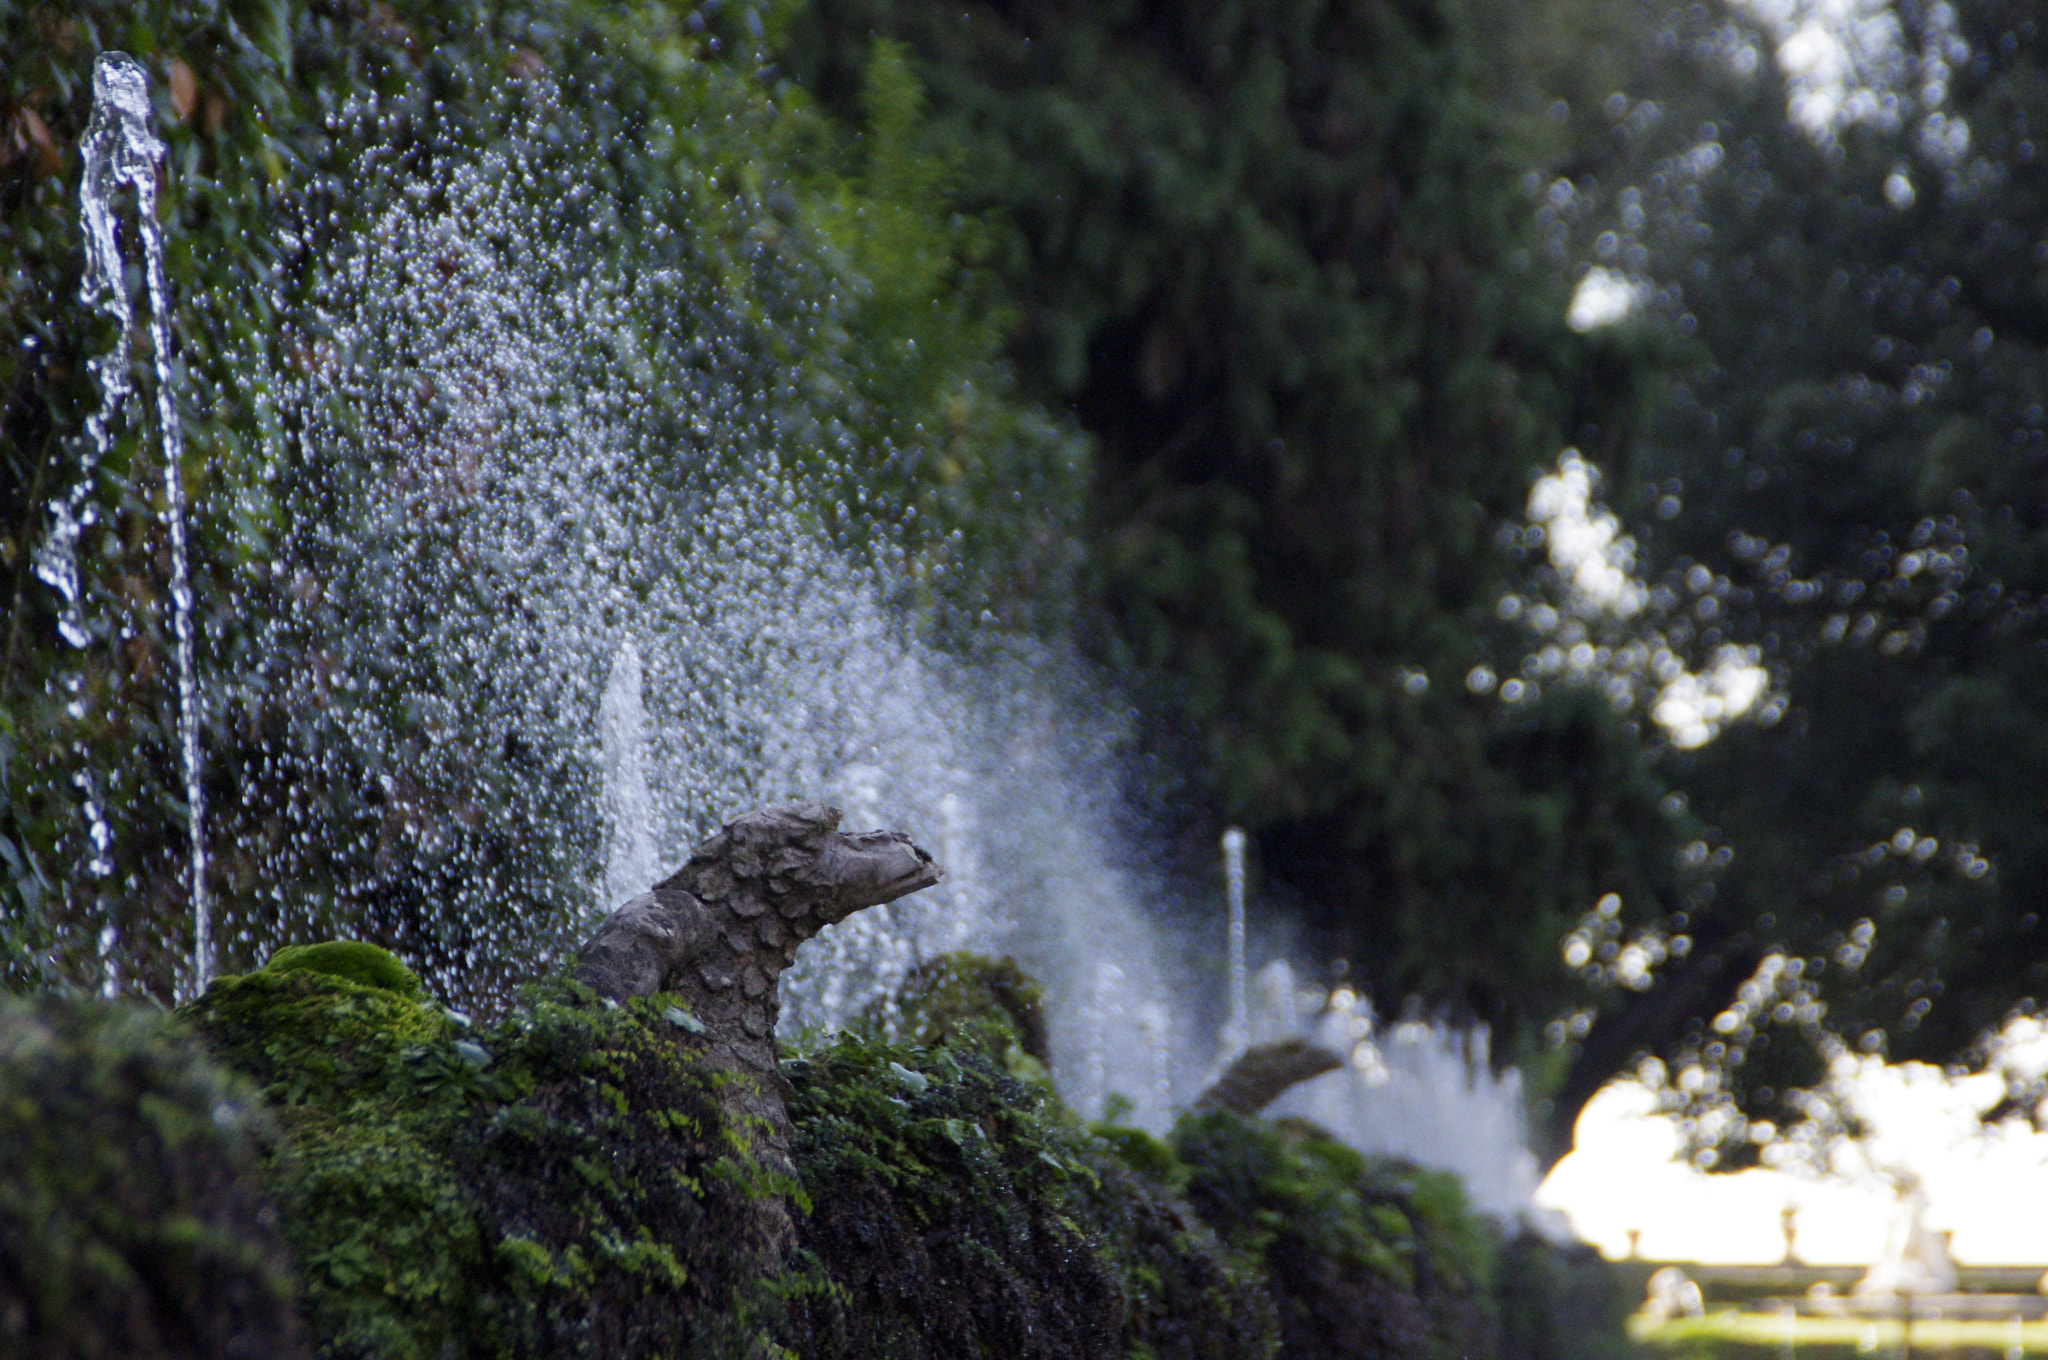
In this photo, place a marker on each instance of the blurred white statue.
(1915, 1258)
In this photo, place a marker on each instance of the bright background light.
(1988, 1186)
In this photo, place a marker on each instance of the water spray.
(1236, 1030)
(122, 151)
(630, 860)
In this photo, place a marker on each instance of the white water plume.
(629, 854)
(1237, 1027)
(510, 460)
(1417, 1089)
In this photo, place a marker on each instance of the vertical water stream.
(630, 862)
(1235, 1030)
(121, 151)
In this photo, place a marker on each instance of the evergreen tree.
(1276, 257)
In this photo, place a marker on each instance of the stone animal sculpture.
(1260, 1073)
(720, 931)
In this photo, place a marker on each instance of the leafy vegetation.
(957, 1210)
(1366, 1256)
(1846, 480)
(1275, 257)
(132, 1220)
(1302, 271)
(562, 1182)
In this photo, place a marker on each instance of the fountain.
(121, 152)
(629, 864)
(1236, 1033)
(575, 569)
(1420, 1089)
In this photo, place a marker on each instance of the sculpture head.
(795, 859)
(721, 930)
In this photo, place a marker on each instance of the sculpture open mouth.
(868, 868)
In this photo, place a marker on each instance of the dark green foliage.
(1852, 470)
(132, 1224)
(957, 1211)
(388, 1246)
(1363, 1257)
(1354, 1256)
(620, 1199)
(304, 1034)
(562, 1183)
(1564, 1301)
(1370, 1256)
(1274, 256)
(945, 997)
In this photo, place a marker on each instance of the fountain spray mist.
(565, 582)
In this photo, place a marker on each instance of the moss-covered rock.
(561, 1183)
(972, 1000)
(958, 1211)
(131, 1221)
(1364, 1257)
(1452, 1252)
(352, 960)
(313, 1038)
(1564, 1301)
(566, 1182)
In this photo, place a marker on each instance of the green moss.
(959, 1211)
(1141, 1152)
(131, 1221)
(314, 1037)
(1364, 1256)
(561, 1183)
(352, 961)
(970, 1000)
(369, 1096)
(565, 1183)
(1563, 1301)
(620, 1204)
(1256, 1182)
(1452, 1253)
